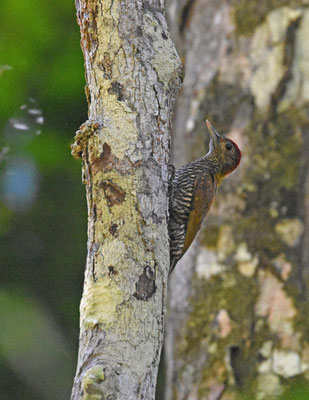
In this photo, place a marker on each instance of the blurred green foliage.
(43, 211)
(34, 347)
(43, 230)
(298, 390)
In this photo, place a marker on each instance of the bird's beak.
(214, 135)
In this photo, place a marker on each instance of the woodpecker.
(192, 189)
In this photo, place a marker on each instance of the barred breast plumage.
(192, 189)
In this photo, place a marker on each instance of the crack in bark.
(289, 54)
(185, 15)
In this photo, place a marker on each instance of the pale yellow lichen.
(114, 252)
(267, 74)
(165, 57)
(246, 262)
(268, 386)
(212, 348)
(242, 253)
(290, 231)
(264, 366)
(278, 20)
(119, 129)
(224, 322)
(248, 268)
(226, 244)
(297, 92)
(267, 54)
(287, 363)
(274, 304)
(283, 266)
(116, 249)
(99, 303)
(207, 264)
(266, 351)
(93, 377)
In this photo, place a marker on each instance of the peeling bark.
(132, 78)
(237, 321)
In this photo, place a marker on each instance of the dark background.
(43, 213)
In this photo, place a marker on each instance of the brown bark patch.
(113, 230)
(145, 286)
(113, 193)
(107, 162)
(88, 27)
(112, 271)
(117, 89)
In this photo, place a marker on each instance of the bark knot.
(82, 135)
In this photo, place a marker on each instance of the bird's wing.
(203, 193)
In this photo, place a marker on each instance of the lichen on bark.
(249, 14)
(244, 325)
(132, 77)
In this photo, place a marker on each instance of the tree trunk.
(238, 310)
(132, 78)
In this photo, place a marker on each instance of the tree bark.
(132, 78)
(238, 322)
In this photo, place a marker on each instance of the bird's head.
(223, 153)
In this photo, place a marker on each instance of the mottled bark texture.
(238, 314)
(132, 78)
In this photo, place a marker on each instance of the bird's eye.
(228, 146)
